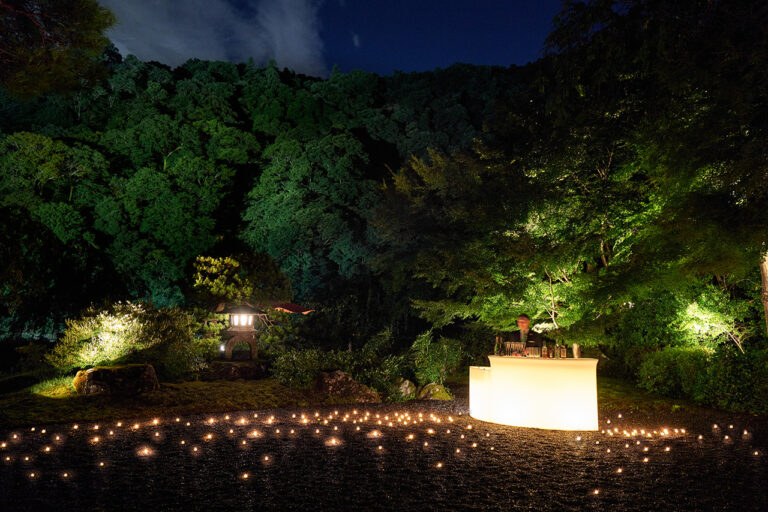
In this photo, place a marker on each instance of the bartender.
(525, 334)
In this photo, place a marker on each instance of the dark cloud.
(171, 31)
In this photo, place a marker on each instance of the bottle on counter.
(557, 350)
(563, 352)
(544, 350)
(497, 346)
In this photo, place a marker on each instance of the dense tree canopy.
(51, 45)
(615, 190)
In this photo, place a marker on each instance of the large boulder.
(405, 387)
(125, 380)
(434, 391)
(339, 386)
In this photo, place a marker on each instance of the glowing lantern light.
(243, 322)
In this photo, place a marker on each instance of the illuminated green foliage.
(133, 332)
(244, 277)
(100, 337)
(614, 190)
(434, 359)
(308, 209)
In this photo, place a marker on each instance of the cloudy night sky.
(312, 36)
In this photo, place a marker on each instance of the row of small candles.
(371, 425)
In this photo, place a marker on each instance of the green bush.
(298, 368)
(641, 331)
(100, 336)
(675, 371)
(371, 365)
(434, 360)
(282, 335)
(738, 381)
(134, 332)
(32, 357)
(726, 378)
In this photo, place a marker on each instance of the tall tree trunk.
(764, 280)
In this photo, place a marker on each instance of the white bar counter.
(557, 394)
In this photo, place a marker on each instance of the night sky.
(424, 34)
(311, 37)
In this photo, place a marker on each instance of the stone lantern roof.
(242, 309)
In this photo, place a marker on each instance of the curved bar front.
(557, 394)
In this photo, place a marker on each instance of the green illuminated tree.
(243, 277)
(308, 209)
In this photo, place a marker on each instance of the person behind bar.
(525, 334)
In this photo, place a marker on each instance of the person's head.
(523, 322)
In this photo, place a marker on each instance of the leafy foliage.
(239, 278)
(614, 190)
(372, 365)
(308, 209)
(434, 359)
(132, 332)
(676, 371)
(51, 45)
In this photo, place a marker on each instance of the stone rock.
(340, 386)
(405, 387)
(233, 370)
(434, 391)
(129, 379)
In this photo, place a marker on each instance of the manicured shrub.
(297, 368)
(100, 336)
(675, 371)
(372, 365)
(738, 381)
(134, 332)
(725, 378)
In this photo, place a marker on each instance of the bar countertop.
(559, 394)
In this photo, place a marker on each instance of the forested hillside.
(615, 190)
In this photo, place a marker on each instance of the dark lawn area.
(341, 458)
(55, 401)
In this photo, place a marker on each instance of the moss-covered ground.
(55, 401)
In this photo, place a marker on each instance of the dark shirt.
(534, 339)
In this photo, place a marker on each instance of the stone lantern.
(244, 323)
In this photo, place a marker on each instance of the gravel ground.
(432, 457)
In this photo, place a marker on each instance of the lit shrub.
(675, 371)
(175, 350)
(99, 336)
(381, 374)
(134, 332)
